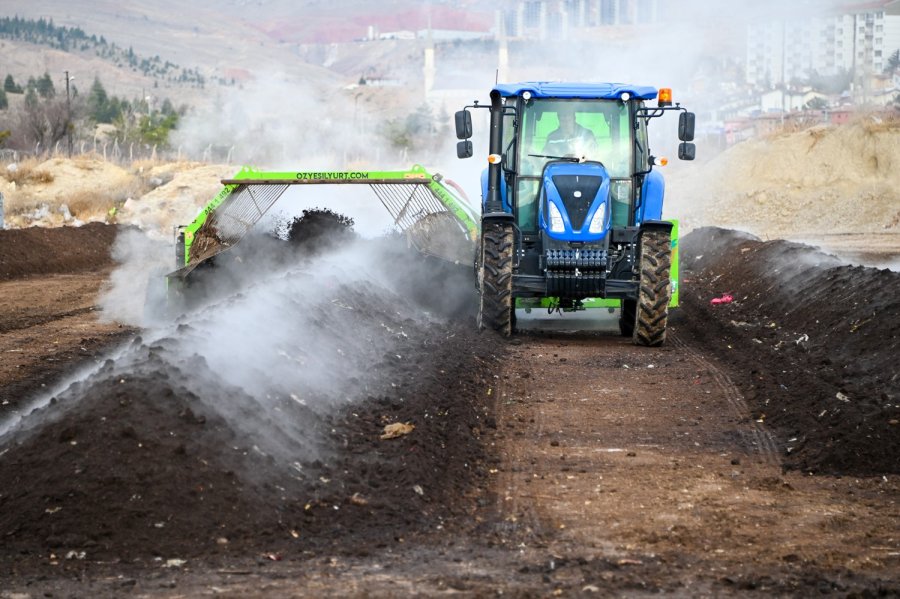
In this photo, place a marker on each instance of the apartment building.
(857, 38)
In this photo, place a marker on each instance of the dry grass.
(82, 205)
(94, 204)
(26, 172)
(89, 205)
(881, 121)
(86, 205)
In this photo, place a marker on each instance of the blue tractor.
(571, 203)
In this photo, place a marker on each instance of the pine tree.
(9, 84)
(97, 101)
(4, 101)
(893, 62)
(45, 87)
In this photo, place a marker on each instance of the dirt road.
(582, 465)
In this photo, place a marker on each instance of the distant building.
(857, 38)
(549, 19)
(778, 100)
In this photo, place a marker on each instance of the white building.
(857, 39)
(548, 19)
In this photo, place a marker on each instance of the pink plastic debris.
(725, 299)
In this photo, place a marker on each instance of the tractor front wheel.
(496, 308)
(655, 258)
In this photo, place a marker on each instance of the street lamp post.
(68, 116)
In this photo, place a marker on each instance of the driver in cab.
(570, 138)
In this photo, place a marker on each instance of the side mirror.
(463, 124)
(687, 151)
(464, 149)
(686, 126)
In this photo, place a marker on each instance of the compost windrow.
(158, 454)
(813, 343)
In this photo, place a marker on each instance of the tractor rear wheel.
(496, 309)
(655, 258)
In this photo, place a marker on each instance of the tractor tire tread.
(655, 290)
(496, 308)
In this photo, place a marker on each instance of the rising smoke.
(274, 338)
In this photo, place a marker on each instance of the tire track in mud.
(757, 438)
(517, 518)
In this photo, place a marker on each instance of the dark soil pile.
(319, 229)
(141, 461)
(813, 343)
(38, 250)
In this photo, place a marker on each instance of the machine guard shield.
(417, 200)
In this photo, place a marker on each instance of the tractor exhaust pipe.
(493, 207)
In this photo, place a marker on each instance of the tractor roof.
(557, 89)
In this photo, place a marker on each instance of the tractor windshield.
(578, 128)
(589, 129)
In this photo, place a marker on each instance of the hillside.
(239, 41)
(825, 180)
(219, 46)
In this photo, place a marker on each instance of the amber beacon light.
(665, 96)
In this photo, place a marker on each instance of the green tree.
(4, 101)
(9, 85)
(831, 84)
(98, 103)
(45, 87)
(816, 103)
(167, 108)
(893, 62)
(154, 128)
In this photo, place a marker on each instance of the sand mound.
(64, 191)
(77, 176)
(187, 189)
(843, 179)
(154, 197)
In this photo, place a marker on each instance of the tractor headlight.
(556, 220)
(598, 223)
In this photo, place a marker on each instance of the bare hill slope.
(825, 180)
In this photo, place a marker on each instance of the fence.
(120, 152)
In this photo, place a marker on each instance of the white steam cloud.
(138, 280)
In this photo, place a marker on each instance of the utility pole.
(68, 117)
